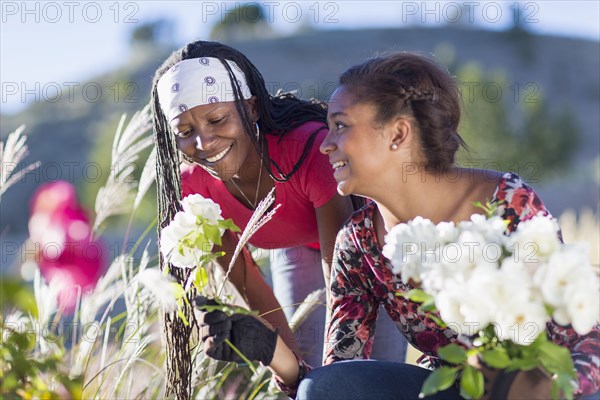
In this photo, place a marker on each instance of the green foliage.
(453, 353)
(245, 21)
(25, 372)
(471, 383)
(509, 127)
(555, 360)
(439, 380)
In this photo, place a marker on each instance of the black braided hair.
(278, 115)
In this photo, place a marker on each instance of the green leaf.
(440, 379)
(496, 358)
(206, 258)
(200, 278)
(556, 359)
(178, 290)
(526, 364)
(229, 224)
(418, 296)
(562, 386)
(182, 316)
(471, 382)
(453, 353)
(429, 305)
(212, 233)
(201, 243)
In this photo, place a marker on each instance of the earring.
(257, 131)
(394, 146)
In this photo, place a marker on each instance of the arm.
(245, 276)
(330, 218)
(353, 308)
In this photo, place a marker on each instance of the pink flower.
(61, 231)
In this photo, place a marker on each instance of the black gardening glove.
(248, 334)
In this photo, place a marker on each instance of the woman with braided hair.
(392, 137)
(237, 142)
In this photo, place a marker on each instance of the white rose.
(446, 232)
(535, 240)
(582, 305)
(403, 252)
(565, 267)
(522, 322)
(170, 241)
(491, 229)
(197, 205)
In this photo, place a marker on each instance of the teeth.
(338, 164)
(218, 156)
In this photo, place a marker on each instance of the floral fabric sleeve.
(519, 202)
(304, 369)
(353, 307)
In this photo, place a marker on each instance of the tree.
(245, 21)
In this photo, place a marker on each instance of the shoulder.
(300, 135)
(517, 200)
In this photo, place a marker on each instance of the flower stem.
(243, 357)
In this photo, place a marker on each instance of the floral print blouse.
(362, 280)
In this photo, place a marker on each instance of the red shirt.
(313, 185)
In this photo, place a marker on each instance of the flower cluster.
(498, 291)
(188, 240)
(477, 275)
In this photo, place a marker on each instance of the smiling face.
(358, 147)
(213, 136)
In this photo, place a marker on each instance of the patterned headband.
(198, 81)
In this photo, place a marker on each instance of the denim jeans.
(297, 271)
(368, 379)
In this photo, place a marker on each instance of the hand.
(533, 384)
(247, 333)
(499, 384)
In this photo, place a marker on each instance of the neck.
(436, 196)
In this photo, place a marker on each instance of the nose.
(328, 144)
(203, 141)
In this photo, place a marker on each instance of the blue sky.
(46, 45)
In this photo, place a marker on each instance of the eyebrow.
(335, 114)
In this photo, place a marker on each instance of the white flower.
(535, 239)
(582, 305)
(565, 267)
(521, 322)
(491, 229)
(171, 245)
(412, 247)
(455, 304)
(199, 206)
(446, 232)
(403, 252)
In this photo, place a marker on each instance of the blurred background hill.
(531, 102)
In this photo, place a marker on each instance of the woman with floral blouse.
(392, 138)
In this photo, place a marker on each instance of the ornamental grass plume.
(11, 154)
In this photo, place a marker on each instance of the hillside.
(565, 70)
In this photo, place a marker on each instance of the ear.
(401, 132)
(252, 108)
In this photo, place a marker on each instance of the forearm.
(284, 364)
(246, 278)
